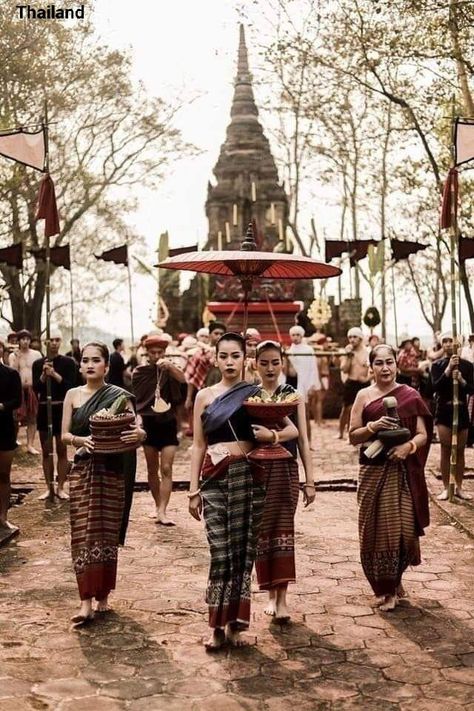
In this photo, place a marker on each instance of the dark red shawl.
(410, 406)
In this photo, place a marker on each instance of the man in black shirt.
(117, 364)
(443, 373)
(62, 372)
(10, 400)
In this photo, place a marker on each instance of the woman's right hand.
(88, 443)
(385, 423)
(195, 506)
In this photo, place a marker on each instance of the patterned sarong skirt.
(233, 501)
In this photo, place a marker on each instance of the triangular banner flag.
(59, 256)
(119, 255)
(24, 147)
(13, 256)
(334, 248)
(466, 248)
(47, 208)
(401, 249)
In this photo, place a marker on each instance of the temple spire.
(243, 103)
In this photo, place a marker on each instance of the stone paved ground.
(338, 654)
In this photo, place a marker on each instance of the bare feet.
(163, 520)
(61, 494)
(401, 592)
(389, 604)
(379, 600)
(31, 450)
(271, 607)
(216, 641)
(234, 637)
(282, 615)
(462, 494)
(47, 496)
(84, 615)
(444, 496)
(7, 526)
(103, 606)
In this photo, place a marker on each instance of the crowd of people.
(195, 386)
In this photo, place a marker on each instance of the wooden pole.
(49, 407)
(71, 298)
(130, 303)
(394, 305)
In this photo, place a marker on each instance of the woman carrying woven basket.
(392, 494)
(275, 562)
(97, 482)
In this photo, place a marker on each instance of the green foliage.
(107, 138)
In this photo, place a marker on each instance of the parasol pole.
(49, 407)
(453, 234)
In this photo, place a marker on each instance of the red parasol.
(248, 264)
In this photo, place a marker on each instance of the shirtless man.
(22, 360)
(355, 374)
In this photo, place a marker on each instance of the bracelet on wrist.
(413, 446)
(192, 494)
(370, 427)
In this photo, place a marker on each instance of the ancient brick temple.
(247, 189)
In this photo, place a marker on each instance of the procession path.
(338, 653)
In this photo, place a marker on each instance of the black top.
(443, 386)
(10, 390)
(116, 367)
(65, 367)
(240, 422)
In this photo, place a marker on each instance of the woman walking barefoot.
(275, 562)
(96, 484)
(392, 494)
(230, 496)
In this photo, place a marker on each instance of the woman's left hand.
(135, 435)
(400, 452)
(262, 434)
(309, 494)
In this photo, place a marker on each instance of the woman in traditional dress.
(392, 493)
(231, 493)
(96, 484)
(275, 562)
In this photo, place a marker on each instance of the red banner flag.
(359, 249)
(24, 147)
(334, 248)
(59, 256)
(13, 256)
(47, 208)
(450, 199)
(466, 248)
(401, 249)
(118, 255)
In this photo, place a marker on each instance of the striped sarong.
(387, 533)
(233, 501)
(96, 488)
(275, 562)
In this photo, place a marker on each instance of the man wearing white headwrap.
(305, 363)
(62, 372)
(354, 374)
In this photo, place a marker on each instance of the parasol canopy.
(248, 264)
(269, 265)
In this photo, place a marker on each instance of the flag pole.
(49, 407)
(130, 300)
(394, 304)
(453, 234)
(71, 298)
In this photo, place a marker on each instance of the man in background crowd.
(61, 371)
(354, 374)
(22, 361)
